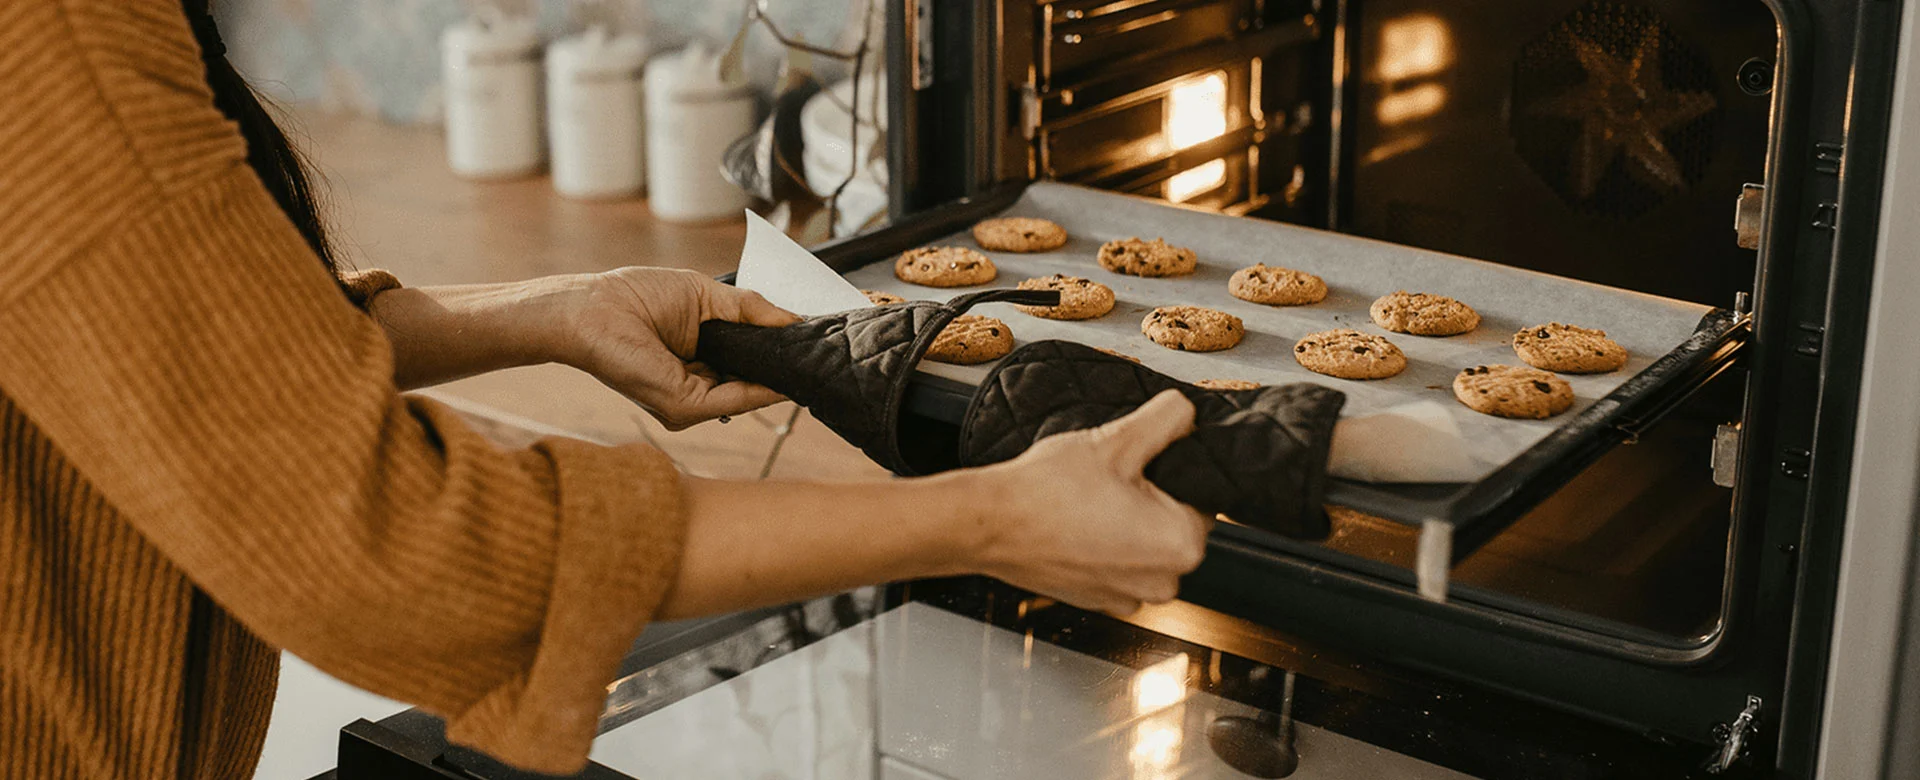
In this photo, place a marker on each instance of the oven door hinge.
(1726, 454)
(1747, 224)
(1733, 737)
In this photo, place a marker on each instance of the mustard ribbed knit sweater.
(203, 457)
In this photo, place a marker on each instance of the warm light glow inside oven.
(1414, 45)
(1414, 51)
(1423, 100)
(1196, 113)
(1197, 110)
(1196, 181)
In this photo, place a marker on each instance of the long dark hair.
(271, 155)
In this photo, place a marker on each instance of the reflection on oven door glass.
(920, 693)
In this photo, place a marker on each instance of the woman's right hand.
(1076, 519)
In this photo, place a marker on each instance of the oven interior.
(1598, 140)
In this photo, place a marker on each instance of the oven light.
(1196, 181)
(1197, 110)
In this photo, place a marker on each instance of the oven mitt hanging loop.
(1257, 456)
(849, 369)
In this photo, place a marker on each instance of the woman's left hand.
(635, 329)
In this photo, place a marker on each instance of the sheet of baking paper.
(1407, 428)
(789, 276)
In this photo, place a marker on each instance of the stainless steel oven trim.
(1870, 672)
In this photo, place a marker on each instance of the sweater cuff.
(618, 555)
(361, 286)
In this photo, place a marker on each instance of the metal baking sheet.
(1405, 429)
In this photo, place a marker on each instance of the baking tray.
(1676, 346)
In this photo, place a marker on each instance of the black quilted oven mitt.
(850, 370)
(1257, 456)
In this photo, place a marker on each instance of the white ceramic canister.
(693, 115)
(595, 114)
(490, 68)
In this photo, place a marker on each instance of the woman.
(206, 456)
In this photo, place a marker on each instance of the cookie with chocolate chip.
(882, 298)
(1423, 314)
(1080, 299)
(1569, 349)
(1193, 328)
(1147, 258)
(1227, 384)
(970, 339)
(1275, 286)
(1513, 391)
(1349, 354)
(944, 266)
(1020, 234)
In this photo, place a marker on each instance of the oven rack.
(1455, 519)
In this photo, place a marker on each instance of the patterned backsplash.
(382, 57)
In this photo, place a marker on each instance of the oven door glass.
(966, 679)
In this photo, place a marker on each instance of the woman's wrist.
(984, 503)
(449, 332)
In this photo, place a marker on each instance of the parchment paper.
(1407, 428)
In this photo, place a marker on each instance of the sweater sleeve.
(164, 324)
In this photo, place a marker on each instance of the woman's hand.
(635, 329)
(1072, 518)
(1080, 522)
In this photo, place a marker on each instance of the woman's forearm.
(440, 334)
(758, 543)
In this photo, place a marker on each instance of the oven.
(1651, 595)
(1674, 577)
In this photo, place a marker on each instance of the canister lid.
(597, 53)
(692, 73)
(492, 35)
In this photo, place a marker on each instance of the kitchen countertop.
(395, 205)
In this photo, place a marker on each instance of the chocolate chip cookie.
(944, 266)
(1349, 354)
(1147, 258)
(882, 298)
(970, 339)
(1227, 384)
(1020, 234)
(1569, 349)
(1274, 286)
(1080, 299)
(1423, 314)
(1512, 391)
(1192, 328)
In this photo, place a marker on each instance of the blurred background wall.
(381, 58)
